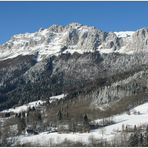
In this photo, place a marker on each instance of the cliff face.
(73, 38)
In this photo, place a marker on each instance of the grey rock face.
(112, 42)
(76, 38)
(139, 41)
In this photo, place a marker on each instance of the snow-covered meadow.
(136, 116)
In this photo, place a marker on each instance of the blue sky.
(21, 17)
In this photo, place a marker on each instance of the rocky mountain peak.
(74, 25)
(72, 38)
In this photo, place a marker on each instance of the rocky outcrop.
(139, 42)
(74, 38)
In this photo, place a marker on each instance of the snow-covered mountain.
(43, 58)
(51, 41)
(73, 38)
(57, 79)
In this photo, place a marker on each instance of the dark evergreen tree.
(141, 139)
(85, 118)
(147, 128)
(73, 127)
(86, 123)
(59, 115)
(21, 125)
(33, 108)
(146, 137)
(133, 140)
(135, 128)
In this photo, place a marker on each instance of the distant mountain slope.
(74, 59)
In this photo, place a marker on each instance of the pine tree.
(141, 139)
(86, 123)
(146, 137)
(147, 128)
(133, 140)
(85, 118)
(59, 114)
(135, 128)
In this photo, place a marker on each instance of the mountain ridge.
(71, 59)
(72, 38)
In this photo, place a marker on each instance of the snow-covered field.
(137, 116)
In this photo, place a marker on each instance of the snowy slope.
(136, 116)
(25, 107)
(142, 109)
(47, 139)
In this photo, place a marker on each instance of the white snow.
(142, 109)
(124, 33)
(47, 139)
(137, 116)
(25, 107)
(48, 43)
(37, 43)
(58, 96)
(127, 36)
(105, 50)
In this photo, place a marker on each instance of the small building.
(31, 131)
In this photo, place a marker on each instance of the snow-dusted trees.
(145, 142)
(138, 137)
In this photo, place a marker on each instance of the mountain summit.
(72, 38)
